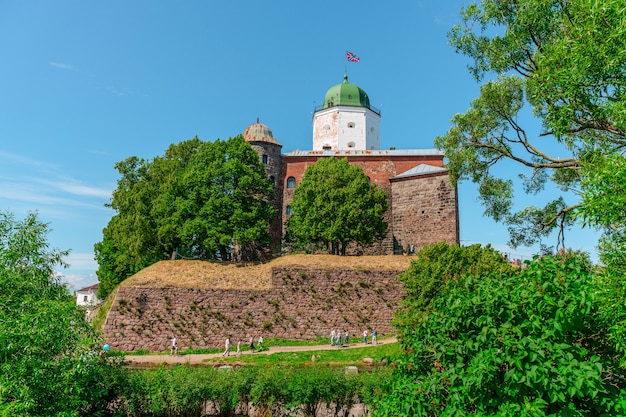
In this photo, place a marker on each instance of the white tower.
(346, 120)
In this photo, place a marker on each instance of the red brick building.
(423, 206)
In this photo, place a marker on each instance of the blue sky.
(86, 84)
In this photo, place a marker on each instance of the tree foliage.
(49, 364)
(437, 268)
(202, 200)
(335, 205)
(563, 59)
(524, 341)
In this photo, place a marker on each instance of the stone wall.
(302, 304)
(425, 211)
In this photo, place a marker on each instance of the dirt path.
(198, 358)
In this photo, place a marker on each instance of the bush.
(274, 390)
(437, 267)
(525, 342)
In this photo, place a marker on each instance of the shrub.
(525, 342)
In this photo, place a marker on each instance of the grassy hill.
(230, 276)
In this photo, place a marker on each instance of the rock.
(352, 370)
(368, 361)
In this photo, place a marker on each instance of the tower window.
(351, 144)
(291, 182)
(351, 125)
(289, 211)
(264, 159)
(326, 147)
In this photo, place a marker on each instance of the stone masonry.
(424, 211)
(301, 304)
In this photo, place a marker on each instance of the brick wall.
(302, 304)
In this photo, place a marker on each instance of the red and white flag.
(352, 57)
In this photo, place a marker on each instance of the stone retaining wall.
(302, 304)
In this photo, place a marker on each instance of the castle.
(423, 204)
(290, 299)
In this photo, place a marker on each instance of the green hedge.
(274, 390)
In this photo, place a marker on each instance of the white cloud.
(120, 92)
(28, 192)
(82, 261)
(61, 65)
(79, 189)
(44, 183)
(23, 160)
(81, 272)
(77, 281)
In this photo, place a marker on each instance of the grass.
(335, 357)
(267, 343)
(101, 311)
(227, 276)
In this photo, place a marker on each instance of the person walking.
(374, 337)
(252, 344)
(227, 347)
(338, 338)
(346, 336)
(238, 347)
(174, 348)
(365, 336)
(332, 337)
(260, 343)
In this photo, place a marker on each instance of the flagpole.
(345, 63)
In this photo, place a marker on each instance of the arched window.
(291, 182)
(289, 211)
(264, 159)
(351, 125)
(351, 144)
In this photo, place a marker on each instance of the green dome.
(346, 94)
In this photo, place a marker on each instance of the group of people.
(336, 338)
(250, 345)
(259, 347)
(339, 338)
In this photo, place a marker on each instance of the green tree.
(334, 205)
(205, 200)
(49, 364)
(604, 199)
(564, 61)
(143, 229)
(438, 268)
(516, 341)
(226, 205)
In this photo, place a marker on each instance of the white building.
(88, 296)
